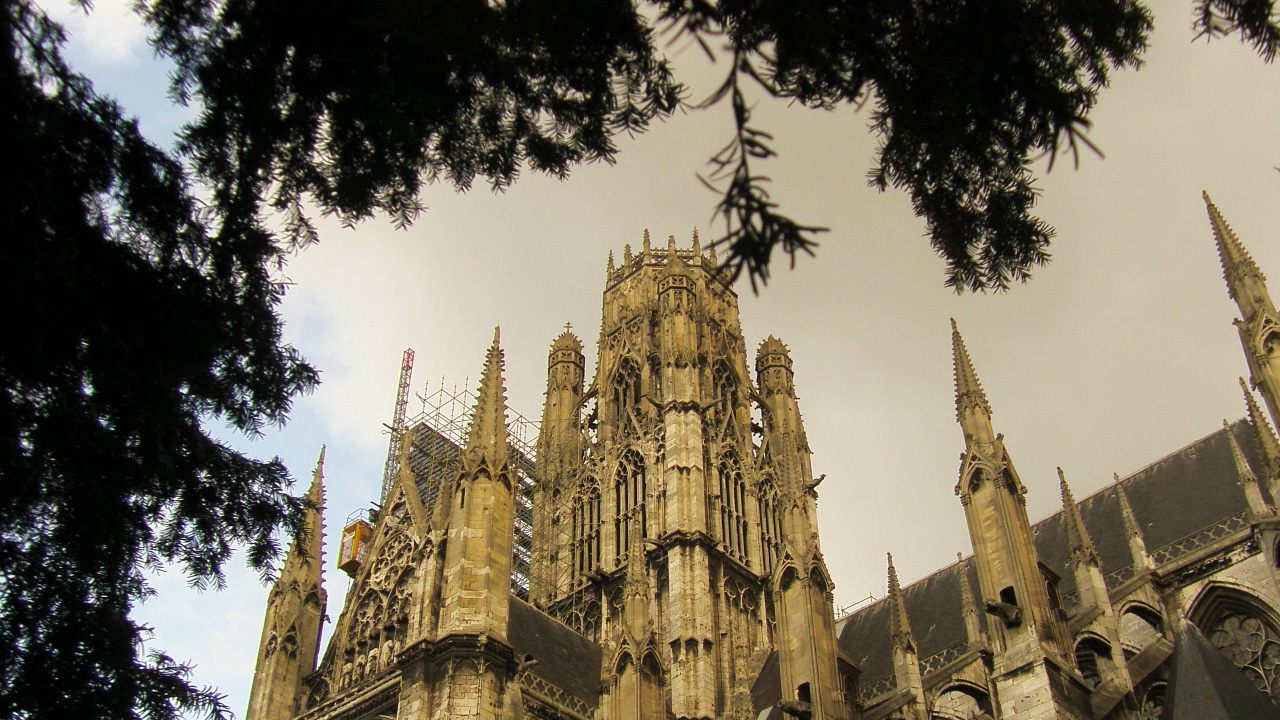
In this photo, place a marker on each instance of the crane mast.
(397, 424)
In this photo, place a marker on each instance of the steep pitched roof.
(566, 659)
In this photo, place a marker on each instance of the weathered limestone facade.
(675, 570)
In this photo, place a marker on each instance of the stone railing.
(1198, 541)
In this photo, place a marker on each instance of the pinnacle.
(901, 627)
(1126, 511)
(1270, 445)
(772, 346)
(1235, 260)
(489, 421)
(969, 392)
(1077, 536)
(1242, 464)
(567, 341)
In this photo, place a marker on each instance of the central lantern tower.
(669, 528)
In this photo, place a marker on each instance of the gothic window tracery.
(770, 526)
(585, 547)
(1153, 702)
(1139, 628)
(629, 497)
(1240, 626)
(726, 398)
(733, 501)
(626, 386)
(1093, 659)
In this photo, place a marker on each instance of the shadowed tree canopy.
(140, 313)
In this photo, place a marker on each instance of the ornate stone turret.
(295, 613)
(1028, 635)
(806, 628)
(972, 616)
(906, 660)
(1259, 325)
(561, 448)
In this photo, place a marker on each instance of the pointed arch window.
(733, 502)
(626, 386)
(629, 496)
(727, 397)
(1242, 628)
(586, 533)
(770, 524)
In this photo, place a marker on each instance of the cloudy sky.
(1117, 354)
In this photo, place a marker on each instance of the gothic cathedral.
(654, 554)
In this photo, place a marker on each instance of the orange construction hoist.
(355, 538)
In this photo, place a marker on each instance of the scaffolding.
(439, 435)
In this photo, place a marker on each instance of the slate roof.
(565, 659)
(1173, 498)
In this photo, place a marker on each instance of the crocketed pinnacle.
(1078, 542)
(1243, 470)
(1266, 436)
(1236, 262)
(637, 583)
(1131, 526)
(969, 393)
(900, 628)
(311, 534)
(489, 421)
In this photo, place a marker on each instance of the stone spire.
(906, 661)
(1258, 506)
(488, 434)
(295, 611)
(1078, 542)
(1238, 268)
(972, 409)
(1137, 544)
(1266, 440)
(636, 587)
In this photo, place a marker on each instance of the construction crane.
(397, 425)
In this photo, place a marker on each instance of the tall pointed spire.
(1258, 506)
(972, 409)
(900, 626)
(1236, 262)
(489, 421)
(1078, 542)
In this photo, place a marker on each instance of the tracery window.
(770, 525)
(1153, 702)
(1093, 658)
(1252, 644)
(586, 533)
(726, 393)
(1139, 628)
(628, 496)
(626, 386)
(733, 501)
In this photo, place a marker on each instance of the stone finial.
(697, 246)
(1078, 542)
(611, 266)
(1236, 262)
(489, 421)
(900, 626)
(626, 254)
(314, 516)
(1137, 544)
(711, 255)
(646, 241)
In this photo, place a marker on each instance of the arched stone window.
(770, 524)
(1140, 626)
(1153, 702)
(626, 386)
(1245, 631)
(960, 702)
(1093, 659)
(733, 503)
(629, 496)
(726, 392)
(585, 546)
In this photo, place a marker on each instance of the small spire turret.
(972, 626)
(1238, 268)
(900, 626)
(1137, 544)
(1266, 440)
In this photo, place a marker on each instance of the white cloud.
(109, 33)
